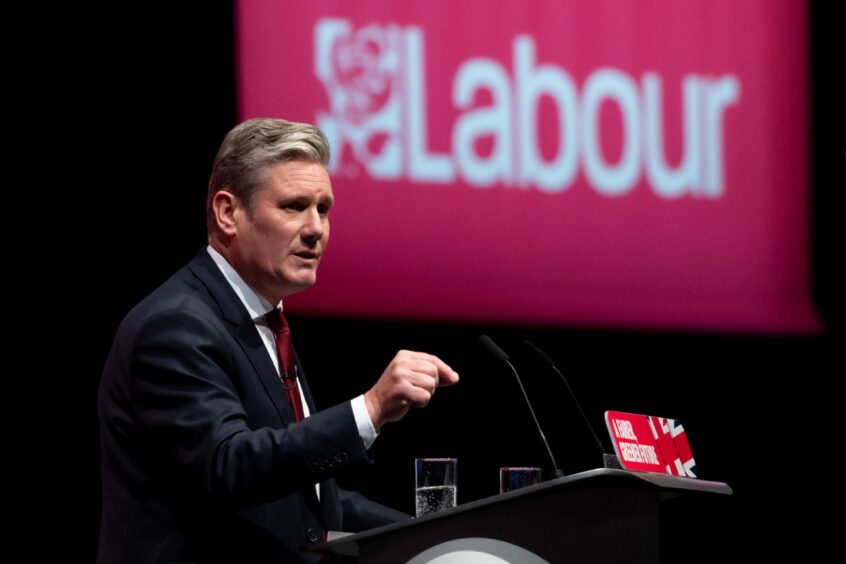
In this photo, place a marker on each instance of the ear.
(225, 205)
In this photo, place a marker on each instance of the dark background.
(159, 97)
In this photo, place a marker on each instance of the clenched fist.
(410, 380)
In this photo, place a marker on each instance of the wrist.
(373, 411)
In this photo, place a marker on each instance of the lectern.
(602, 515)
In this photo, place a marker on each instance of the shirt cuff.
(362, 419)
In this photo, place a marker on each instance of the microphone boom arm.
(500, 354)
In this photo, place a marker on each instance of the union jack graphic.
(675, 450)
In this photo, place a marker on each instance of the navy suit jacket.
(202, 460)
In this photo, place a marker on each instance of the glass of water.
(435, 484)
(516, 477)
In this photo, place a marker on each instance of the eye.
(293, 205)
(323, 209)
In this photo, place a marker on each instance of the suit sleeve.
(188, 411)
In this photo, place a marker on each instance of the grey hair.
(251, 147)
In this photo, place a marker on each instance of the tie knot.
(277, 322)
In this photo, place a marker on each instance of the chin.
(302, 283)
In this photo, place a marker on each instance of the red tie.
(287, 374)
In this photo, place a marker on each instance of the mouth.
(307, 255)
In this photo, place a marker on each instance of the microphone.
(500, 355)
(530, 346)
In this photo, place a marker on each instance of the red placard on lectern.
(650, 444)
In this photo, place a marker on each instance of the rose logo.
(364, 66)
(360, 70)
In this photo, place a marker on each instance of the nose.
(314, 226)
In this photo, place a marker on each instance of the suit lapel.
(244, 331)
(248, 338)
(255, 350)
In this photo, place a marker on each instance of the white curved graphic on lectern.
(476, 550)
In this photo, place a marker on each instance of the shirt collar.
(257, 306)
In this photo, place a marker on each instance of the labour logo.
(359, 70)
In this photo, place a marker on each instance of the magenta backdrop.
(635, 164)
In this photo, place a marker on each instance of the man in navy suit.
(203, 459)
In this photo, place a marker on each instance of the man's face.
(281, 237)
